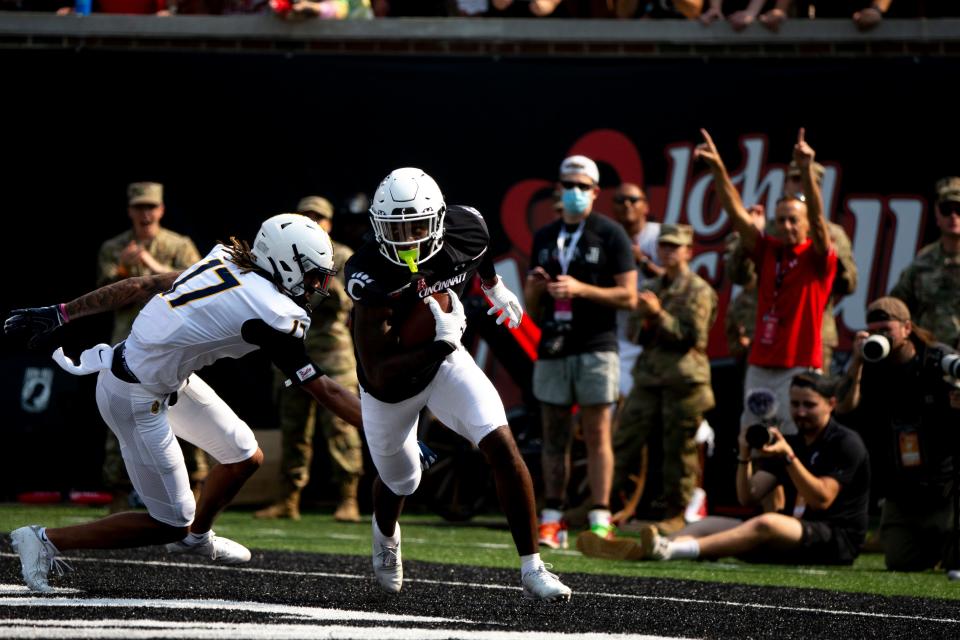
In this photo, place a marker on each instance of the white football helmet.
(407, 217)
(289, 247)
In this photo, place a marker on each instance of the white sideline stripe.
(452, 583)
(136, 629)
(755, 605)
(305, 613)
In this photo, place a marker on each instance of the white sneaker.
(37, 557)
(220, 550)
(387, 564)
(540, 584)
(655, 546)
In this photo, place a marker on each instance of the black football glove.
(34, 323)
(427, 456)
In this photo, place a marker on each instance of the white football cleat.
(37, 557)
(540, 584)
(387, 563)
(220, 550)
(655, 546)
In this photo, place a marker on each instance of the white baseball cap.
(582, 165)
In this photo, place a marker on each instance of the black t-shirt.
(372, 280)
(602, 252)
(838, 453)
(906, 420)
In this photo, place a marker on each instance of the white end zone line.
(474, 585)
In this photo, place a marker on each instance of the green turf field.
(487, 542)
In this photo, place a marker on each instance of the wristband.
(790, 458)
(739, 461)
(62, 308)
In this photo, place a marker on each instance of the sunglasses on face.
(792, 196)
(621, 199)
(949, 208)
(583, 186)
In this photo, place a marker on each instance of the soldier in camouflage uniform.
(741, 270)
(330, 346)
(671, 379)
(931, 284)
(144, 249)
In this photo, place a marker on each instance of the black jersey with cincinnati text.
(373, 280)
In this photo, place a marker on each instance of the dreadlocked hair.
(240, 255)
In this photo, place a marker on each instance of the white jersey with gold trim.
(201, 320)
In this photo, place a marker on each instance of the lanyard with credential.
(567, 246)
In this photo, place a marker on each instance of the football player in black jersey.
(421, 247)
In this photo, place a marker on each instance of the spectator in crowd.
(741, 315)
(931, 284)
(740, 14)
(234, 302)
(671, 379)
(689, 9)
(825, 471)
(145, 249)
(795, 273)
(866, 14)
(421, 247)
(582, 270)
(130, 7)
(330, 346)
(741, 269)
(630, 209)
(537, 8)
(902, 403)
(323, 9)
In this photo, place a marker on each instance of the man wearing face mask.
(903, 404)
(582, 270)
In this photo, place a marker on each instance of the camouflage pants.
(115, 476)
(299, 416)
(680, 410)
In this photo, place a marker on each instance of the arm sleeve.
(690, 327)
(285, 350)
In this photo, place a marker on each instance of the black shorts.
(821, 543)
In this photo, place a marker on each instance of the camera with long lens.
(945, 359)
(758, 436)
(875, 348)
(762, 404)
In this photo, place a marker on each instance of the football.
(420, 327)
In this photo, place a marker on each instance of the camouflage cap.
(317, 204)
(948, 189)
(680, 234)
(888, 308)
(144, 193)
(793, 171)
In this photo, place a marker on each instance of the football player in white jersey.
(235, 300)
(422, 247)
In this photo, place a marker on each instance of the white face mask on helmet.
(407, 217)
(292, 248)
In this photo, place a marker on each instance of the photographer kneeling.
(825, 472)
(895, 388)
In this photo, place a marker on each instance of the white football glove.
(504, 301)
(450, 326)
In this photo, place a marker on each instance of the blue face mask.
(575, 201)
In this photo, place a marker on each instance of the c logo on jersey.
(359, 279)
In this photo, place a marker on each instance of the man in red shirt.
(795, 275)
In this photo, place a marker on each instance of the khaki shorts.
(585, 378)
